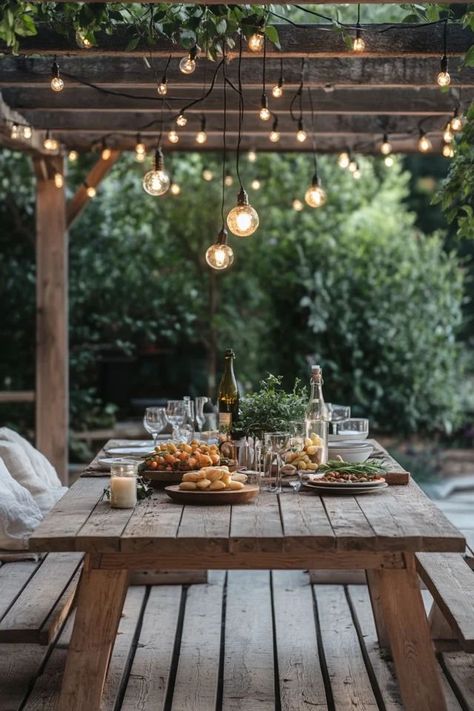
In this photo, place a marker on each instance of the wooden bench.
(450, 580)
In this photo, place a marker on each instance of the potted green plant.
(271, 408)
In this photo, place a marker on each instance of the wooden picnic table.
(377, 533)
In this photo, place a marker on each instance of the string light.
(228, 180)
(207, 175)
(389, 161)
(358, 45)
(315, 195)
(301, 134)
(15, 131)
(252, 156)
(264, 114)
(256, 41)
(456, 121)
(50, 143)
(220, 255)
(386, 146)
(275, 133)
(243, 219)
(82, 40)
(277, 90)
(58, 180)
(106, 153)
(448, 150)
(140, 150)
(57, 83)
(181, 120)
(173, 136)
(175, 188)
(90, 190)
(357, 174)
(162, 87)
(297, 205)
(73, 156)
(448, 135)
(443, 78)
(27, 132)
(424, 143)
(201, 136)
(255, 184)
(188, 64)
(157, 181)
(352, 167)
(343, 159)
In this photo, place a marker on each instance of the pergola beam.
(311, 41)
(96, 174)
(8, 117)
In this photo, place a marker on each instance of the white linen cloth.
(19, 513)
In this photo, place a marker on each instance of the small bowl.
(350, 453)
(356, 428)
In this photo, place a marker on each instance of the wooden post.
(52, 353)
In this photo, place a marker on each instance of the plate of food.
(170, 461)
(338, 476)
(212, 485)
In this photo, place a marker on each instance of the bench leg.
(410, 639)
(99, 607)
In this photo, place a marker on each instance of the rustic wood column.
(52, 353)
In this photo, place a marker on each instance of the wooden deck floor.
(286, 645)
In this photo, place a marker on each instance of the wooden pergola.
(110, 97)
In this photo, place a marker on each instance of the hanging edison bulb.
(275, 133)
(181, 120)
(357, 173)
(252, 156)
(106, 153)
(297, 205)
(27, 132)
(315, 196)
(140, 150)
(228, 180)
(207, 175)
(301, 134)
(385, 146)
(173, 136)
(188, 64)
(256, 42)
(220, 255)
(73, 156)
(389, 161)
(162, 87)
(243, 219)
(91, 191)
(175, 188)
(201, 136)
(358, 45)
(57, 83)
(343, 159)
(448, 150)
(277, 90)
(352, 167)
(58, 180)
(448, 135)
(157, 180)
(255, 184)
(50, 143)
(424, 143)
(15, 132)
(443, 78)
(264, 114)
(456, 122)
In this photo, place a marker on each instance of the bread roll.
(190, 476)
(188, 486)
(203, 483)
(235, 485)
(217, 485)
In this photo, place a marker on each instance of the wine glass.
(275, 444)
(176, 413)
(199, 403)
(154, 421)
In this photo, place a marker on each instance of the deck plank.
(197, 675)
(13, 578)
(350, 683)
(300, 676)
(460, 666)
(248, 667)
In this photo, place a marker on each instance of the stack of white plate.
(350, 451)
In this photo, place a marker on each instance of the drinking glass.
(275, 444)
(186, 430)
(199, 403)
(356, 428)
(176, 413)
(337, 413)
(154, 421)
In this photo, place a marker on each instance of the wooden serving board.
(228, 496)
(160, 479)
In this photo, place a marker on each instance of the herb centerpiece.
(271, 408)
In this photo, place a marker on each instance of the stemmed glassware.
(200, 417)
(275, 443)
(176, 413)
(155, 421)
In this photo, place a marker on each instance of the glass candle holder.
(317, 432)
(123, 485)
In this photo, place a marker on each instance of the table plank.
(351, 528)
(59, 528)
(152, 525)
(102, 530)
(257, 526)
(206, 525)
(304, 518)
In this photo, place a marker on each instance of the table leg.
(99, 607)
(373, 583)
(410, 639)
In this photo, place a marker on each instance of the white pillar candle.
(123, 486)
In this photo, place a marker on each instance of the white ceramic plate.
(348, 489)
(356, 437)
(127, 451)
(350, 451)
(105, 464)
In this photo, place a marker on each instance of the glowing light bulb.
(456, 122)
(181, 120)
(356, 174)
(58, 180)
(157, 181)
(301, 135)
(448, 135)
(358, 45)
(251, 156)
(389, 161)
(162, 87)
(315, 196)
(175, 189)
(443, 79)
(27, 132)
(448, 150)
(201, 137)
(256, 41)
(173, 136)
(243, 219)
(57, 84)
(256, 184)
(207, 175)
(220, 255)
(51, 144)
(15, 131)
(352, 167)
(343, 159)
(386, 146)
(277, 90)
(297, 205)
(140, 151)
(91, 191)
(228, 180)
(274, 136)
(73, 156)
(106, 153)
(265, 114)
(187, 65)
(424, 143)
(82, 40)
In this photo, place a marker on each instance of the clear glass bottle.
(316, 419)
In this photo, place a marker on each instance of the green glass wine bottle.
(228, 395)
